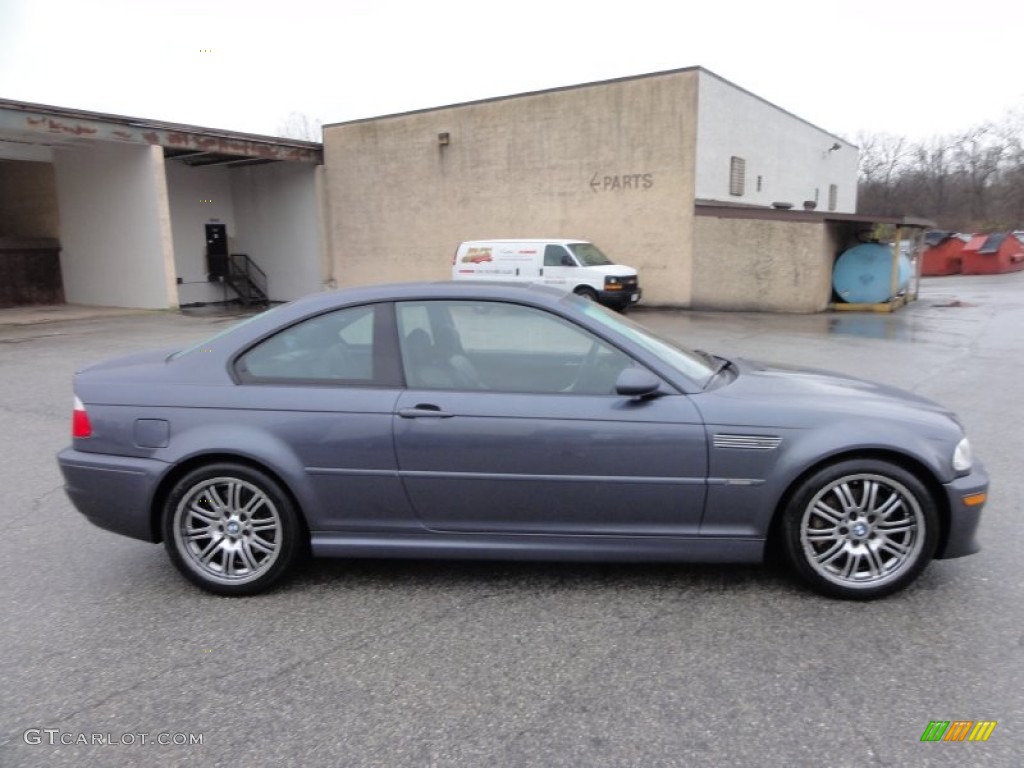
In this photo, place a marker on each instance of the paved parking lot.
(482, 664)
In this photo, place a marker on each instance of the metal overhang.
(52, 127)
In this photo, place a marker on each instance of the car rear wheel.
(860, 529)
(230, 529)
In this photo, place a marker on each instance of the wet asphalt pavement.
(483, 664)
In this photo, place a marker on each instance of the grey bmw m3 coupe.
(476, 420)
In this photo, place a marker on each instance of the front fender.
(746, 486)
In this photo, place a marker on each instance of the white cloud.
(900, 67)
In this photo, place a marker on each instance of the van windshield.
(589, 255)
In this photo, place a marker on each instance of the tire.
(587, 293)
(231, 529)
(860, 529)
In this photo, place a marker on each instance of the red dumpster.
(942, 254)
(993, 254)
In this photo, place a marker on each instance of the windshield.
(207, 341)
(697, 367)
(588, 254)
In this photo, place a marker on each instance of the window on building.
(737, 175)
(759, 183)
(833, 193)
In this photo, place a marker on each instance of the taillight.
(80, 426)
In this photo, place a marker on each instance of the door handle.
(422, 411)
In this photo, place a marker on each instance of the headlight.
(962, 458)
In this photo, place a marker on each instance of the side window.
(501, 347)
(557, 256)
(336, 347)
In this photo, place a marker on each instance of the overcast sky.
(907, 67)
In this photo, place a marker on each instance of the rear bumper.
(961, 538)
(113, 492)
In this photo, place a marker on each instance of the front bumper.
(622, 298)
(961, 536)
(113, 492)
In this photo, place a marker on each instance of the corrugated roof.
(936, 237)
(993, 242)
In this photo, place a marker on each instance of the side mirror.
(637, 382)
(567, 260)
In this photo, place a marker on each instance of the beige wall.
(612, 163)
(115, 232)
(762, 265)
(28, 199)
(277, 211)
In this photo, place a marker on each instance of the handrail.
(243, 269)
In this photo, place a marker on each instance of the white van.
(574, 265)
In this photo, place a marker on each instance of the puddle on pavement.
(870, 326)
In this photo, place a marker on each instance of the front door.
(560, 268)
(510, 424)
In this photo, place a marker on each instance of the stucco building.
(639, 165)
(680, 174)
(118, 211)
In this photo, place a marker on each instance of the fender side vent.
(747, 442)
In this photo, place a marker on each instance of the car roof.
(467, 290)
(326, 301)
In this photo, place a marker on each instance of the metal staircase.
(247, 280)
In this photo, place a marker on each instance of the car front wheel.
(587, 293)
(230, 529)
(860, 529)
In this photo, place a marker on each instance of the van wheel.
(587, 293)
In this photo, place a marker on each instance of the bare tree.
(883, 159)
(1009, 186)
(299, 125)
(933, 163)
(977, 153)
(972, 181)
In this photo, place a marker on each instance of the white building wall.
(277, 212)
(791, 157)
(115, 230)
(198, 196)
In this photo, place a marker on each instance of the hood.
(763, 393)
(615, 270)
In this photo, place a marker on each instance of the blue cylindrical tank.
(863, 274)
